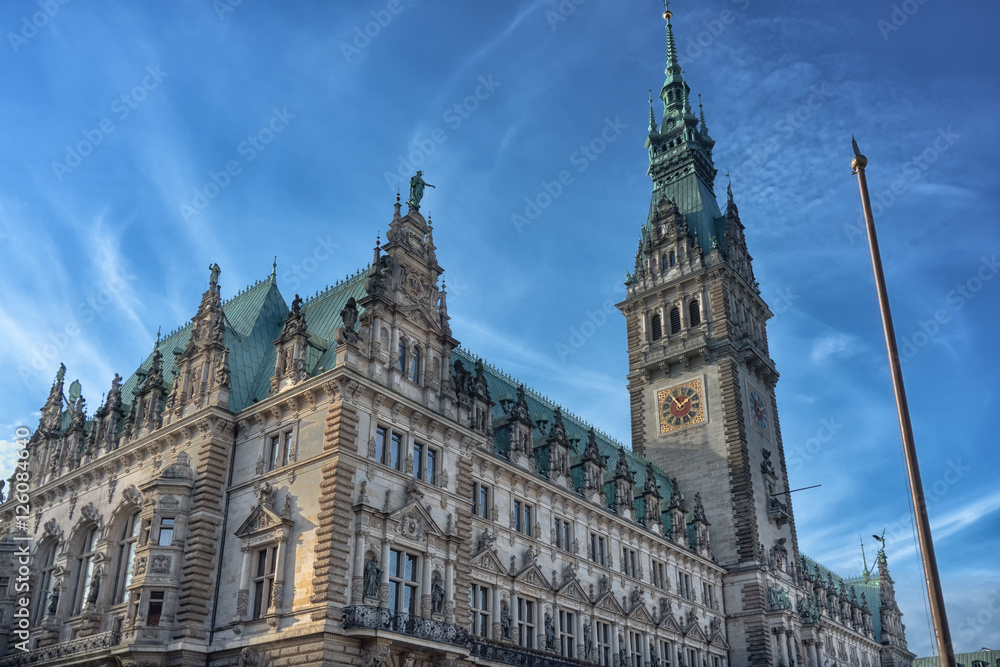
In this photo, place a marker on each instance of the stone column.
(358, 580)
(579, 636)
(495, 615)
(515, 618)
(811, 648)
(782, 647)
(614, 646)
(383, 593)
(425, 588)
(820, 654)
(278, 589)
(243, 595)
(449, 591)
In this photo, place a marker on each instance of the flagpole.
(946, 654)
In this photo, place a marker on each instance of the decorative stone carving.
(161, 564)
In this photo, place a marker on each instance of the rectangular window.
(524, 518)
(388, 446)
(567, 633)
(480, 604)
(263, 581)
(526, 623)
(598, 549)
(564, 533)
(629, 558)
(155, 608)
(636, 644)
(659, 574)
(404, 573)
(708, 595)
(693, 658)
(424, 463)
(279, 450)
(604, 644)
(166, 535)
(684, 585)
(666, 653)
(479, 503)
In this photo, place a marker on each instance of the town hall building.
(336, 481)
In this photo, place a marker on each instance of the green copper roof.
(503, 386)
(860, 584)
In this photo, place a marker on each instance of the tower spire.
(652, 117)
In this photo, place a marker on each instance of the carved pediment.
(261, 520)
(571, 589)
(608, 603)
(414, 522)
(694, 632)
(487, 559)
(533, 576)
(668, 622)
(640, 612)
(718, 639)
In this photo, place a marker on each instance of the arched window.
(415, 365)
(47, 594)
(85, 581)
(126, 558)
(673, 258)
(657, 327)
(675, 320)
(401, 364)
(694, 312)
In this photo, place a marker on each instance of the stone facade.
(337, 482)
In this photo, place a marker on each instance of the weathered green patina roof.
(860, 584)
(987, 656)
(503, 386)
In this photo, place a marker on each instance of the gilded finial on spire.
(667, 14)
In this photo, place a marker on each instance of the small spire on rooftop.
(274, 269)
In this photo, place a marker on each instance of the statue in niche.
(550, 633)
(505, 620)
(373, 577)
(437, 595)
(417, 185)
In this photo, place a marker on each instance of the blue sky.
(143, 144)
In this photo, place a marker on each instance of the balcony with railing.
(378, 619)
(76, 649)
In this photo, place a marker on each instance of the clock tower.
(701, 380)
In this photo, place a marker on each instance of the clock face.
(681, 406)
(758, 410)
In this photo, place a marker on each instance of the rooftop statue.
(417, 185)
(213, 279)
